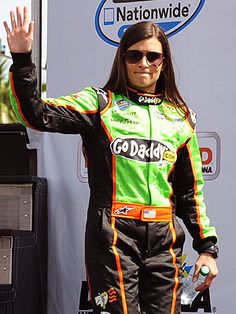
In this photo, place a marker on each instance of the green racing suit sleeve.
(187, 187)
(75, 113)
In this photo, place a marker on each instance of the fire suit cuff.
(21, 59)
(205, 244)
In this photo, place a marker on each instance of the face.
(144, 75)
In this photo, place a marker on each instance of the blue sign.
(113, 17)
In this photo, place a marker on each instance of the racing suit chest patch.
(139, 132)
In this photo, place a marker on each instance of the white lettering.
(116, 148)
(133, 148)
(148, 100)
(142, 151)
(162, 150)
(152, 150)
(125, 146)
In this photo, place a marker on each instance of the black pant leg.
(111, 264)
(159, 282)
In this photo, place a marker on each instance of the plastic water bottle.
(189, 293)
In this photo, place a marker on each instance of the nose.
(144, 61)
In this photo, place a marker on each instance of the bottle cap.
(204, 270)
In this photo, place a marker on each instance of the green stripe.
(15, 107)
(197, 163)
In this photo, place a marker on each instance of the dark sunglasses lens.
(133, 56)
(154, 57)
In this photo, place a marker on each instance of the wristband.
(213, 250)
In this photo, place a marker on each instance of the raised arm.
(21, 34)
(74, 113)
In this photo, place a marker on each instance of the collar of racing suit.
(142, 98)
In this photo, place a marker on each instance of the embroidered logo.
(123, 104)
(124, 210)
(107, 296)
(149, 214)
(149, 100)
(102, 299)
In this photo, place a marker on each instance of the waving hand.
(20, 36)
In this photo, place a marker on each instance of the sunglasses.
(152, 57)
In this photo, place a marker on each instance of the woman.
(144, 169)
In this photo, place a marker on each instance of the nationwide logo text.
(113, 17)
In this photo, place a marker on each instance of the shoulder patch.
(192, 118)
(103, 98)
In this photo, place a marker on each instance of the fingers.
(19, 18)
(31, 29)
(6, 27)
(210, 262)
(26, 17)
(206, 284)
(207, 260)
(13, 20)
(20, 31)
(19, 22)
(196, 272)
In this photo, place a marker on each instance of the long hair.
(166, 82)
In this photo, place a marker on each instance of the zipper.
(149, 163)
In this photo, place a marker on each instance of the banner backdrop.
(82, 39)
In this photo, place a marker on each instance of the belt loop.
(147, 244)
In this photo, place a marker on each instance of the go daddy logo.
(142, 150)
(153, 151)
(113, 17)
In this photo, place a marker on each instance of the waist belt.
(141, 212)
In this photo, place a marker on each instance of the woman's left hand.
(21, 34)
(205, 259)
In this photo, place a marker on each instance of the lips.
(142, 73)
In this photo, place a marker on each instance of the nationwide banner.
(113, 17)
(82, 41)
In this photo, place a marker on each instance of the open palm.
(20, 36)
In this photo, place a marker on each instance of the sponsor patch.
(102, 299)
(143, 150)
(107, 296)
(123, 210)
(122, 104)
(148, 213)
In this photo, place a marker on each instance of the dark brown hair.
(166, 82)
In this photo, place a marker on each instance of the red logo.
(209, 143)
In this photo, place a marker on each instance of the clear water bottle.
(189, 293)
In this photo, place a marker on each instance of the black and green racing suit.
(144, 169)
